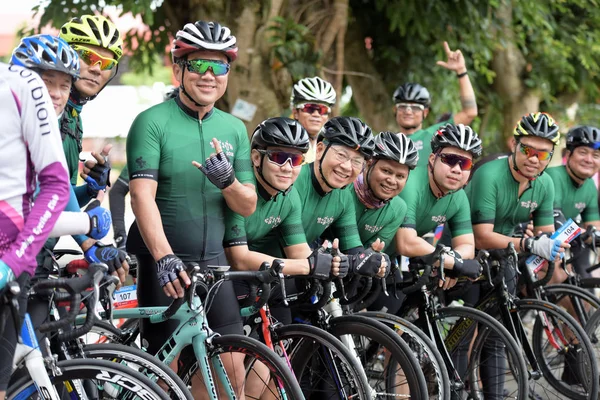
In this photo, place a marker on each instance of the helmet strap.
(435, 182)
(368, 182)
(260, 173)
(514, 159)
(185, 91)
(568, 166)
(321, 168)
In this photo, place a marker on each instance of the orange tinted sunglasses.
(91, 58)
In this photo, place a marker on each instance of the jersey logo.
(530, 205)
(418, 144)
(226, 147)
(140, 162)
(273, 221)
(372, 229)
(325, 221)
(235, 229)
(580, 206)
(439, 219)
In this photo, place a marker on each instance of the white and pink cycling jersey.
(30, 149)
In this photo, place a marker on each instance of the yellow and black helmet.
(538, 124)
(95, 30)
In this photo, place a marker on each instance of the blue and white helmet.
(46, 53)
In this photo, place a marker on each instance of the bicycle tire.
(107, 333)
(377, 332)
(143, 362)
(249, 347)
(586, 354)
(430, 359)
(139, 386)
(560, 291)
(303, 342)
(486, 324)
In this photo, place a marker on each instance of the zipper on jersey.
(205, 227)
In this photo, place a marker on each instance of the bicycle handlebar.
(427, 263)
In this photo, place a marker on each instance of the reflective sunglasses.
(542, 155)
(311, 108)
(279, 158)
(404, 107)
(453, 159)
(200, 66)
(91, 58)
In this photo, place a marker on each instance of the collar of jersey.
(190, 112)
(529, 183)
(262, 192)
(315, 181)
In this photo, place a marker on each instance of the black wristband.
(461, 75)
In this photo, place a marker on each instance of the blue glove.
(544, 247)
(99, 176)
(106, 254)
(6, 274)
(100, 220)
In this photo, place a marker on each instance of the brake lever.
(442, 262)
(339, 281)
(15, 290)
(483, 258)
(277, 267)
(192, 290)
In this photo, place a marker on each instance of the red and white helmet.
(203, 35)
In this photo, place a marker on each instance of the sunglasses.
(452, 159)
(91, 58)
(542, 155)
(281, 157)
(200, 66)
(310, 108)
(404, 107)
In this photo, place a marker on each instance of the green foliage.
(159, 73)
(293, 47)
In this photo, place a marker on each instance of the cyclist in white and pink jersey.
(31, 151)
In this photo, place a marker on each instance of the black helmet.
(279, 131)
(396, 147)
(538, 124)
(583, 136)
(412, 93)
(349, 131)
(460, 136)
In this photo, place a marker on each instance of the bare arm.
(147, 216)
(464, 245)
(240, 198)
(456, 63)
(409, 244)
(242, 259)
(486, 238)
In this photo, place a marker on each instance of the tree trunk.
(368, 90)
(510, 66)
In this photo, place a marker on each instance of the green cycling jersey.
(425, 211)
(379, 223)
(574, 199)
(280, 215)
(161, 145)
(422, 140)
(494, 196)
(72, 135)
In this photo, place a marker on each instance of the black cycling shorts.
(223, 316)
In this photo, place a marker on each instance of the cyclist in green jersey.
(311, 102)
(412, 101)
(575, 191)
(180, 211)
(508, 191)
(434, 196)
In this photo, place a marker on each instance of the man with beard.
(412, 102)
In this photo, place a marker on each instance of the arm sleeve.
(544, 214)
(590, 212)
(344, 226)
(291, 229)
(410, 198)
(242, 165)
(143, 148)
(235, 229)
(460, 222)
(482, 196)
(39, 127)
(116, 197)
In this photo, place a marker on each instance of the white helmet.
(313, 90)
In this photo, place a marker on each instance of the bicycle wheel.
(487, 360)
(392, 369)
(262, 367)
(592, 328)
(104, 332)
(564, 352)
(142, 362)
(95, 379)
(324, 367)
(578, 302)
(428, 356)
